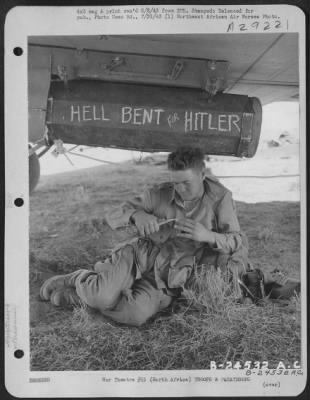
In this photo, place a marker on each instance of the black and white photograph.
(163, 205)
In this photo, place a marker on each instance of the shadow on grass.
(68, 232)
(186, 336)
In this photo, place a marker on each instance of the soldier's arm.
(228, 237)
(123, 215)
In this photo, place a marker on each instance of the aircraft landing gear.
(34, 163)
(34, 171)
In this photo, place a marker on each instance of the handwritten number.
(230, 27)
(277, 24)
(267, 26)
(255, 24)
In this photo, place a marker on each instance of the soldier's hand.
(146, 223)
(194, 230)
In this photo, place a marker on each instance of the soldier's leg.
(140, 303)
(98, 290)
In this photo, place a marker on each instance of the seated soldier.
(190, 220)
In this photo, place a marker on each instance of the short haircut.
(186, 157)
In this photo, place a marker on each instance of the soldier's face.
(188, 183)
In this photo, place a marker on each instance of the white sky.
(277, 118)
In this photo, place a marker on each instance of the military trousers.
(121, 291)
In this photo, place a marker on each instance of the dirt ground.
(67, 232)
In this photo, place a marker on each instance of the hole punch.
(18, 353)
(18, 51)
(19, 202)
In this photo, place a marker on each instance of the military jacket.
(176, 256)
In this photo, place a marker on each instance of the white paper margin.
(22, 22)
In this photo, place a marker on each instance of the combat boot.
(64, 297)
(58, 282)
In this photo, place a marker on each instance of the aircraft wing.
(263, 66)
(260, 65)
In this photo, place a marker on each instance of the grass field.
(67, 232)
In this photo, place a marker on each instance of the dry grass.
(205, 325)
